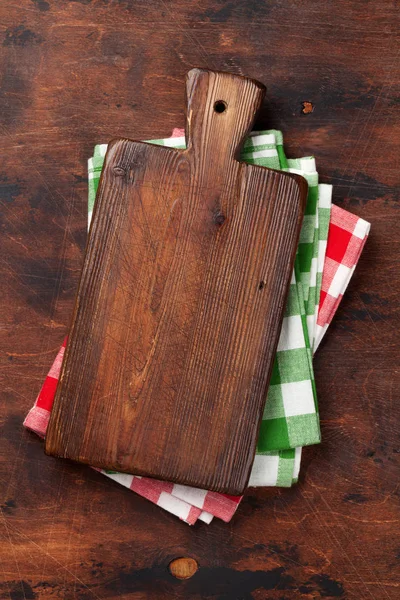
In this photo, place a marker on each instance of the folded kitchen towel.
(217, 505)
(266, 148)
(291, 417)
(346, 239)
(270, 468)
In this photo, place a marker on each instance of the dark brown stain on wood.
(41, 5)
(74, 534)
(21, 36)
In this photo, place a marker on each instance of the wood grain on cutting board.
(180, 302)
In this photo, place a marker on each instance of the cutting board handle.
(220, 111)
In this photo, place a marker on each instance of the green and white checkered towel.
(323, 215)
(290, 419)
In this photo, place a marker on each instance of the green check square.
(293, 365)
(292, 305)
(285, 469)
(303, 430)
(312, 200)
(274, 405)
(307, 230)
(273, 434)
(275, 376)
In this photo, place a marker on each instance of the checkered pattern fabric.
(323, 215)
(290, 418)
(270, 468)
(306, 250)
(310, 250)
(346, 239)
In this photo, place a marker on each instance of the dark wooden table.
(75, 73)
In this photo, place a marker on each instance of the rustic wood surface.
(79, 72)
(181, 299)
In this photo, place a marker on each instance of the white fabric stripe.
(301, 172)
(321, 255)
(340, 279)
(189, 494)
(264, 153)
(319, 334)
(178, 141)
(313, 272)
(123, 478)
(314, 328)
(298, 398)
(361, 229)
(308, 164)
(292, 334)
(206, 517)
(258, 140)
(264, 471)
(324, 195)
(297, 461)
(311, 327)
(174, 505)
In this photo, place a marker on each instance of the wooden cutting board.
(180, 302)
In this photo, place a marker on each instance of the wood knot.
(119, 171)
(261, 285)
(219, 218)
(183, 568)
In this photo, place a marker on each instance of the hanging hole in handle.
(220, 106)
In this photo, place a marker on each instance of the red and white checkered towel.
(346, 239)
